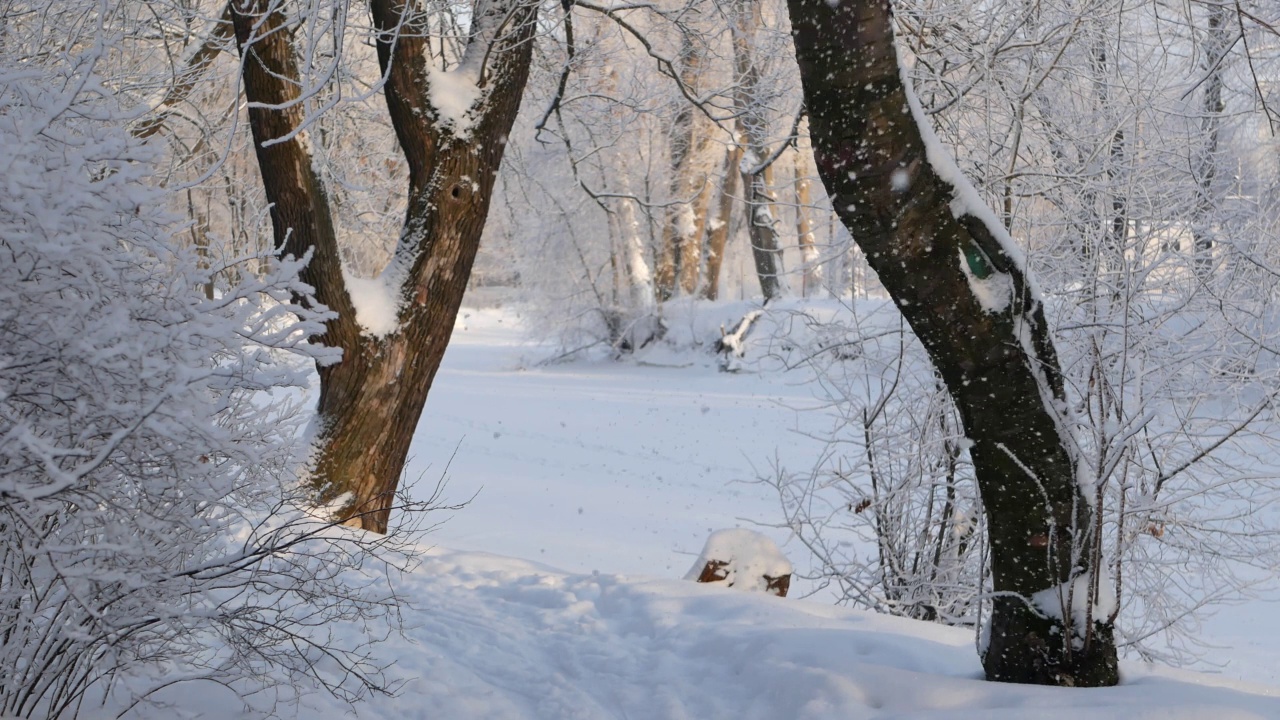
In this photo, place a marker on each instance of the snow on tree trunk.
(959, 281)
(680, 257)
(639, 278)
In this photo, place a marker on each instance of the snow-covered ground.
(615, 467)
(495, 638)
(555, 593)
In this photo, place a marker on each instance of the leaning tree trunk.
(964, 293)
(370, 402)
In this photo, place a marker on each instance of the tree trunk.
(967, 299)
(1217, 42)
(680, 253)
(300, 216)
(757, 175)
(719, 224)
(1110, 259)
(811, 284)
(640, 292)
(370, 402)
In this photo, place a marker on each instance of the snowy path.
(611, 467)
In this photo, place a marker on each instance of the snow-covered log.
(742, 559)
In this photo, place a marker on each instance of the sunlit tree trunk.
(757, 172)
(370, 402)
(719, 225)
(812, 271)
(680, 258)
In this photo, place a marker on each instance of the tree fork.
(999, 365)
(371, 401)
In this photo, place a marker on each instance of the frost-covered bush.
(148, 436)
(890, 511)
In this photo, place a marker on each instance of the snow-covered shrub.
(150, 516)
(1171, 392)
(890, 512)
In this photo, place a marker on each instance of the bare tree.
(1217, 42)
(370, 402)
(680, 255)
(950, 267)
(758, 160)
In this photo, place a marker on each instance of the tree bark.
(371, 401)
(1216, 44)
(998, 362)
(300, 216)
(757, 174)
(680, 255)
(720, 225)
(811, 283)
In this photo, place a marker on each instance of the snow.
(994, 292)
(456, 95)
(495, 638)
(749, 558)
(1074, 596)
(899, 180)
(686, 223)
(597, 465)
(377, 303)
(617, 472)
(453, 94)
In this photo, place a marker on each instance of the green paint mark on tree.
(978, 263)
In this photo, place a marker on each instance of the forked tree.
(371, 400)
(960, 283)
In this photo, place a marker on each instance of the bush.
(151, 521)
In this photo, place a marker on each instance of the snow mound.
(748, 558)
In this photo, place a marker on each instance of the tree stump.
(742, 559)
